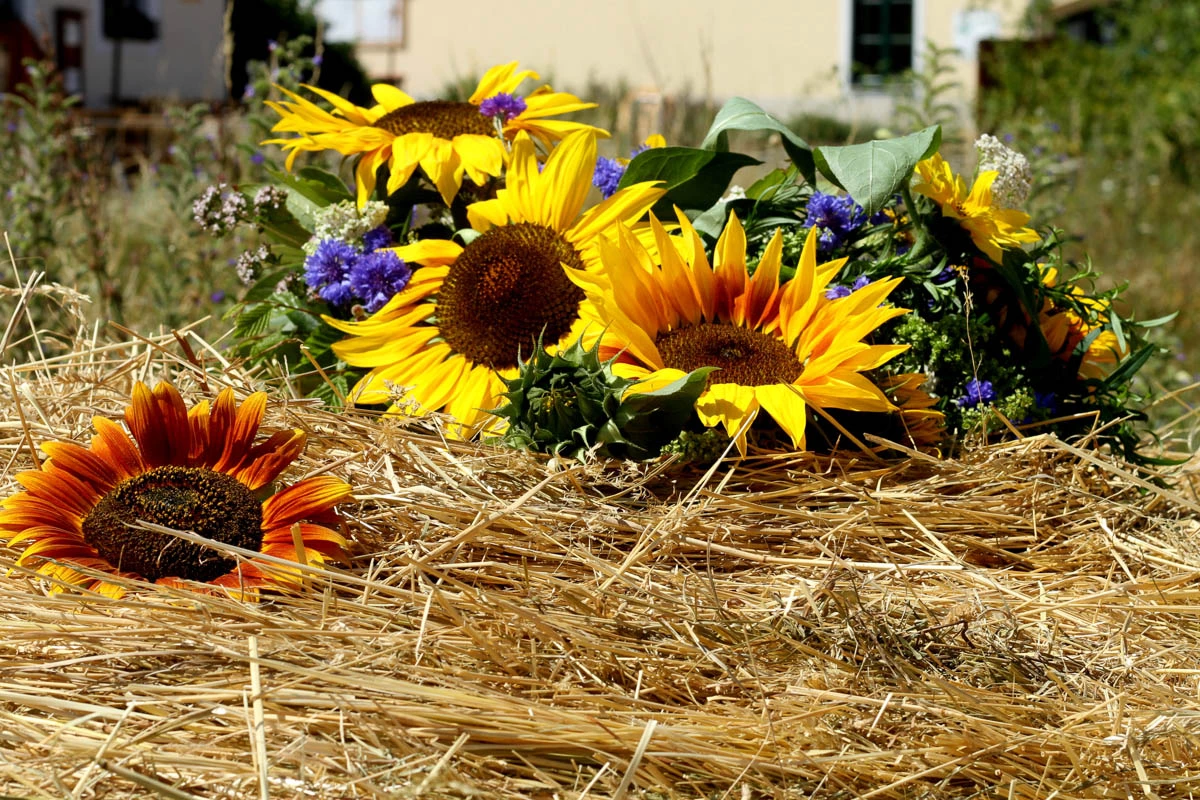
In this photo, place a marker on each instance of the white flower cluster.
(343, 221)
(1014, 178)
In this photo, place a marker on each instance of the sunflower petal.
(303, 499)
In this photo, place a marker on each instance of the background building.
(831, 57)
(118, 52)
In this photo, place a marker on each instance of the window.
(129, 19)
(881, 43)
(375, 21)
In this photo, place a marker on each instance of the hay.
(1021, 623)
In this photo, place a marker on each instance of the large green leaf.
(694, 179)
(873, 171)
(309, 191)
(739, 114)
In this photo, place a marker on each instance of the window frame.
(847, 65)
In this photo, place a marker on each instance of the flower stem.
(923, 240)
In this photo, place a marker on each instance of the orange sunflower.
(445, 138)
(200, 471)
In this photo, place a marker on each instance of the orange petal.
(238, 440)
(62, 489)
(159, 423)
(113, 445)
(271, 458)
(304, 500)
(83, 464)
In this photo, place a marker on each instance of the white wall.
(185, 62)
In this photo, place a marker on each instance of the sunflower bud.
(571, 404)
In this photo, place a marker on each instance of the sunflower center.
(746, 357)
(504, 290)
(445, 119)
(214, 505)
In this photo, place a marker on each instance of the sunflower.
(469, 313)
(197, 470)
(920, 424)
(445, 138)
(778, 347)
(1066, 330)
(993, 229)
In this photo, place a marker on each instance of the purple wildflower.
(837, 290)
(272, 45)
(607, 176)
(835, 218)
(10, 126)
(377, 277)
(503, 105)
(1047, 401)
(257, 157)
(978, 393)
(376, 238)
(218, 296)
(317, 59)
(249, 91)
(327, 270)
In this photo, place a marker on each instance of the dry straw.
(1021, 623)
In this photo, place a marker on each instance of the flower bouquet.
(481, 263)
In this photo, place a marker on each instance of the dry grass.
(1022, 623)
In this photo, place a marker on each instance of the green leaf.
(253, 321)
(694, 179)
(739, 114)
(325, 184)
(310, 190)
(655, 418)
(1124, 373)
(873, 171)
(264, 287)
(1157, 321)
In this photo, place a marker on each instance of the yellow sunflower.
(778, 347)
(445, 138)
(921, 425)
(1065, 330)
(200, 471)
(469, 313)
(993, 229)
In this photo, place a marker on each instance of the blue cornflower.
(838, 290)
(377, 277)
(503, 105)
(1047, 401)
(376, 238)
(835, 217)
(607, 176)
(978, 393)
(327, 270)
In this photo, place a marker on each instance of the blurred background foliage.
(1113, 126)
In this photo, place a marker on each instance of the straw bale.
(1022, 622)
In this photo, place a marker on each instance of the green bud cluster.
(571, 403)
